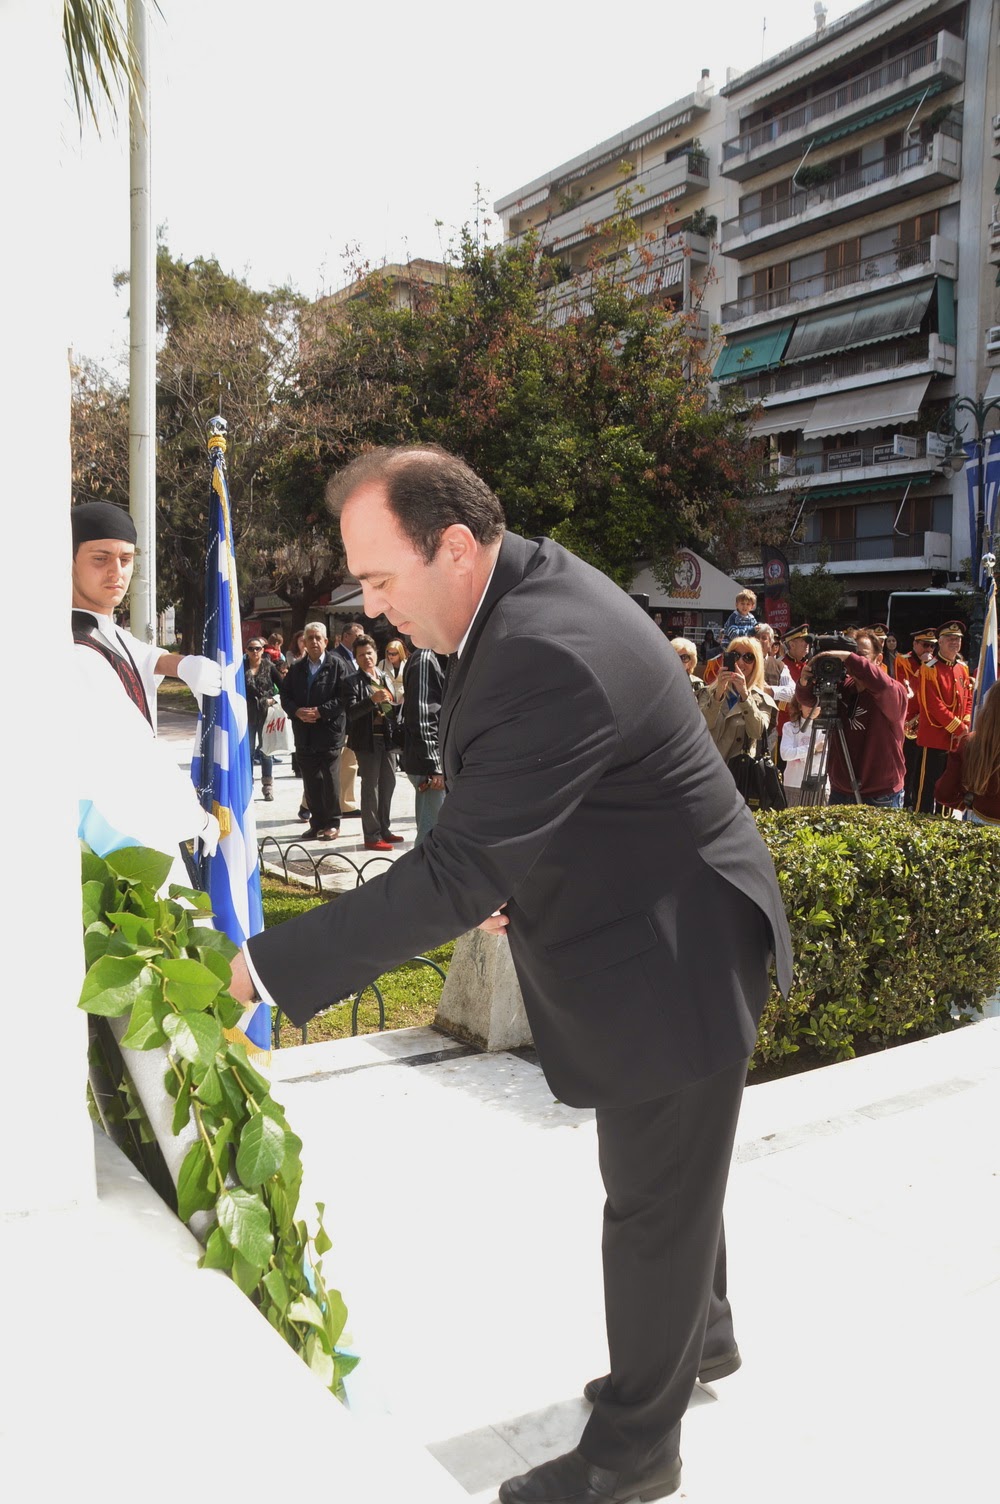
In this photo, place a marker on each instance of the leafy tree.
(816, 597)
(98, 436)
(224, 347)
(585, 406)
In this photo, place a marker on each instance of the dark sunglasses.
(746, 657)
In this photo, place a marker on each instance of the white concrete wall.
(46, 1138)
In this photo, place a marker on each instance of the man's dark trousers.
(665, 1166)
(321, 781)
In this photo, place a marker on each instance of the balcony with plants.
(934, 64)
(822, 197)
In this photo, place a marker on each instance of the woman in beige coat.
(737, 707)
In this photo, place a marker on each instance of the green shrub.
(894, 923)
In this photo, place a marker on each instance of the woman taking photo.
(971, 779)
(371, 734)
(738, 708)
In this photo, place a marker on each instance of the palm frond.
(99, 55)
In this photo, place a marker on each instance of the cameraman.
(871, 710)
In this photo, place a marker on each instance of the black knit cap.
(101, 519)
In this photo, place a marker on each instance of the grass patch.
(411, 992)
(173, 694)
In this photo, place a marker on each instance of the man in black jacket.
(420, 759)
(590, 819)
(314, 693)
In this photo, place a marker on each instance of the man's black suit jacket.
(585, 793)
(329, 691)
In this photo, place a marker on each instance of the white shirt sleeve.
(118, 765)
(784, 690)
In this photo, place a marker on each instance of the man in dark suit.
(590, 818)
(314, 694)
(348, 761)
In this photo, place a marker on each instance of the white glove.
(201, 675)
(210, 835)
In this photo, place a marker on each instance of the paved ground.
(864, 1232)
(280, 818)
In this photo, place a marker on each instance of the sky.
(285, 134)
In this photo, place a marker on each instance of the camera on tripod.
(828, 674)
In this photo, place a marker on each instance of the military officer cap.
(880, 629)
(924, 634)
(951, 629)
(795, 632)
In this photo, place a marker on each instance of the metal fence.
(319, 869)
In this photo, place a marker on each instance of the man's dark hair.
(427, 489)
(364, 641)
(352, 626)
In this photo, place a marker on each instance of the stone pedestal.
(481, 1000)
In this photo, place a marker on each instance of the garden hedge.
(895, 926)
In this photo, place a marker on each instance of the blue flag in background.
(991, 490)
(986, 675)
(222, 770)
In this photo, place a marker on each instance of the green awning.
(862, 488)
(891, 315)
(848, 127)
(759, 352)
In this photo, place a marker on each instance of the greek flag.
(221, 769)
(991, 490)
(986, 675)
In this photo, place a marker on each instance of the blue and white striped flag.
(991, 492)
(986, 675)
(222, 770)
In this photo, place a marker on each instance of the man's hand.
(241, 986)
(380, 696)
(307, 713)
(435, 782)
(497, 922)
(202, 676)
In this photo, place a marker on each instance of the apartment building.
(862, 277)
(667, 166)
(854, 270)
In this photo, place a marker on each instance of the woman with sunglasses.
(738, 709)
(261, 676)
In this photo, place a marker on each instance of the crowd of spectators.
(352, 714)
(890, 729)
(848, 717)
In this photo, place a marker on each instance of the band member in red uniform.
(907, 671)
(796, 644)
(944, 694)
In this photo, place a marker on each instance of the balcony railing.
(832, 461)
(882, 357)
(893, 72)
(848, 550)
(867, 176)
(900, 259)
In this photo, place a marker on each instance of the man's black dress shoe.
(719, 1367)
(571, 1479)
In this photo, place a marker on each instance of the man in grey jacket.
(589, 818)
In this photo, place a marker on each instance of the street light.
(955, 422)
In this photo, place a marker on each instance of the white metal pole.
(142, 339)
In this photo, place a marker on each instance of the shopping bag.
(277, 734)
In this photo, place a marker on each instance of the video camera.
(828, 674)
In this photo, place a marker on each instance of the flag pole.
(142, 339)
(221, 769)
